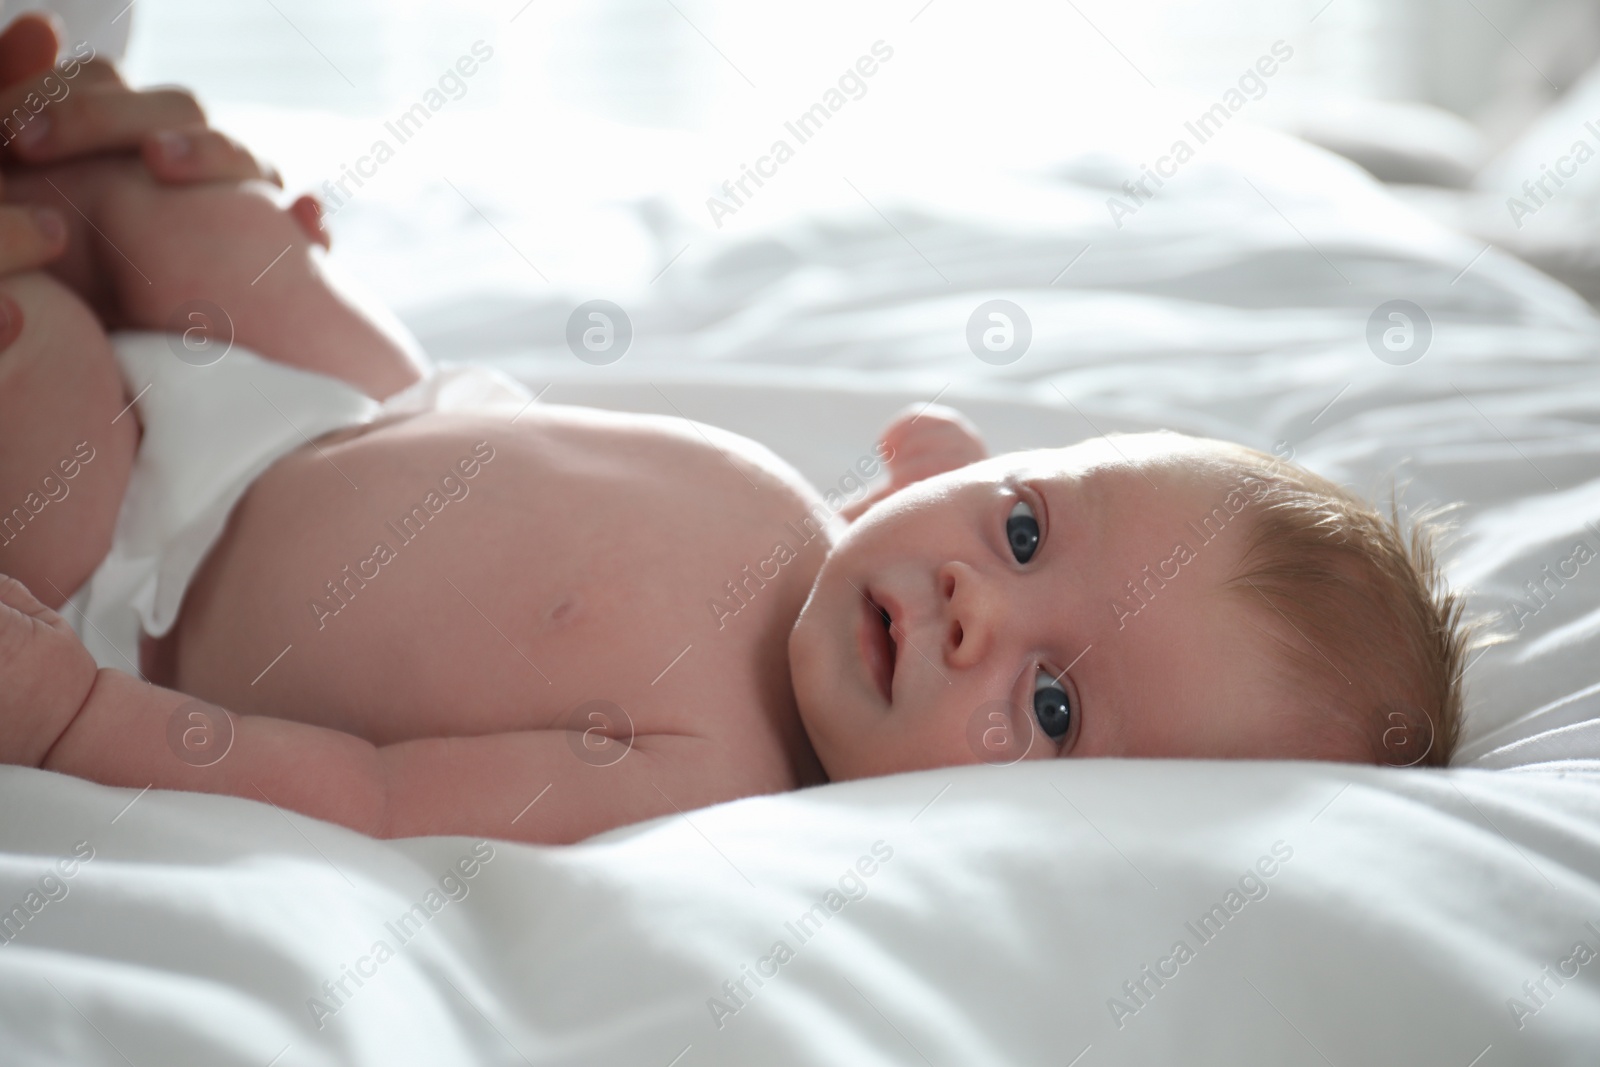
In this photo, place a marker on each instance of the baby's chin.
(815, 678)
(803, 659)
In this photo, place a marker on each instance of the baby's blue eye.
(1051, 706)
(1022, 530)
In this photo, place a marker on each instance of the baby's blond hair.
(1375, 639)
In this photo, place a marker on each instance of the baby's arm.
(228, 243)
(59, 713)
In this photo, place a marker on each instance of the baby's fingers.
(21, 617)
(17, 597)
(30, 237)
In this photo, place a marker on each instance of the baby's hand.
(921, 441)
(45, 675)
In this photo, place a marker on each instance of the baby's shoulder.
(688, 453)
(786, 495)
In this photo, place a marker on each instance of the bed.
(1073, 913)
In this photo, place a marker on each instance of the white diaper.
(209, 432)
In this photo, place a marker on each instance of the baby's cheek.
(991, 731)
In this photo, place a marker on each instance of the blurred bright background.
(703, 63)
(589, 103)
(697, 63)
(709, 66)
(997, 82)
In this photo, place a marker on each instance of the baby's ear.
(928, 439)
(921, 441)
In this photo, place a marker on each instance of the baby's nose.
(969, 613)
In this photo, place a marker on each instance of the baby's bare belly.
(463, 575)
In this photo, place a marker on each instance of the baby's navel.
(564, 612)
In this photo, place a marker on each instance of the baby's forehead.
(1155, 458)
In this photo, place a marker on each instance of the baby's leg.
(66, 440)
(231, 245)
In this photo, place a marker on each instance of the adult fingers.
(23, 98)
(27, 48)
(198, 154)
(88, 74)
(97, 119)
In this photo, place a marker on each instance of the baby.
(539, 622)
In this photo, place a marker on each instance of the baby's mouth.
(894, 643)
(878, 646)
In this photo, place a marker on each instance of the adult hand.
(84, 108)
(29, 237)
(81, 109)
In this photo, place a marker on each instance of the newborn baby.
(539, 622)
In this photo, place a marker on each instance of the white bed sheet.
(1018, 900)
(1406, 910)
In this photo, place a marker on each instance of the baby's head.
(1150, 595)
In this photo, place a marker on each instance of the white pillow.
(1395, 141)
(1548, 145)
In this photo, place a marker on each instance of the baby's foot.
(45, 675)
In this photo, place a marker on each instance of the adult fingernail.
(52, 227)
(174, 146)
(34, 131)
